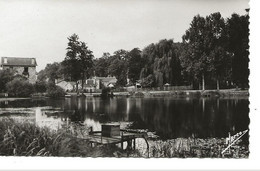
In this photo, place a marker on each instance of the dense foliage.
(238, 31)
(213, 54)
(19, 87)
(161, 62)
(216, 50)
(113, 65)
(54, 91)
(78, 61)
(5, 76)
(51, 72)
(40, 87)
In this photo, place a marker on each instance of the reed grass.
(26, 139)
(197, 148)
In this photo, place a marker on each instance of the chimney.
(33, 61)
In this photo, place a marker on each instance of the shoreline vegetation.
(26, 139)
(226, 93)
(141, 93)
(194, 93)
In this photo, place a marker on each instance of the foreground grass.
(198, 148)
(26, 139)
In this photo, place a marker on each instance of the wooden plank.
(104, 140)
(113, 139)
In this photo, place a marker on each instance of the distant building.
(22, 66)
(66, 85)
(90, 85)
(98, 82)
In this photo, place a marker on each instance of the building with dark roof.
(98, 82)
(22, 66)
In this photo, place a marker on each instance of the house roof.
(18, 61)
(107, 79)
(66, 82)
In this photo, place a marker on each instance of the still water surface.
(169, 117)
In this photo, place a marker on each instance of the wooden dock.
(129, 136)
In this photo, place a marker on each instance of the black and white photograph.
(123, 80)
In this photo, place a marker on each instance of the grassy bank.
(26, 139)
(12, 99)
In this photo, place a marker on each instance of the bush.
(149, 81)
(6, 75)
(55, 91)
(19, 88)
(40, 87)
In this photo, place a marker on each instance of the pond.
(168, 117)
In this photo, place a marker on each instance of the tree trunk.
(217, 84)
(82, 85)
(203, 82)
(82, 82)
(77, 87)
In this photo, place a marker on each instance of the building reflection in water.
(42, 120)
(127, 109)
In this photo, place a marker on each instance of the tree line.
(17, 85)
(213, 54)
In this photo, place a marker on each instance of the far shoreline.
(13, 98)
(223, 93)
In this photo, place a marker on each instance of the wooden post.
(122, 144)
(147, 146)
(229, 142)
(134, 143)
(122, 141)
(91, 130)
(217, 84)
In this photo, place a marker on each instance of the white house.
(66, 85)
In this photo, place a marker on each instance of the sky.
(40, 28)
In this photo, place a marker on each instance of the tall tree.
(206, 56)
(162, 61)
(118, 67)
(238, 29)
(217, 38)
(101, 65)
(194, 60)
(86, 62)
(78, 61)
(135, 65)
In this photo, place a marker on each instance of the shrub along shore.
(193, 93)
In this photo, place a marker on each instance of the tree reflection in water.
(169, 117)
